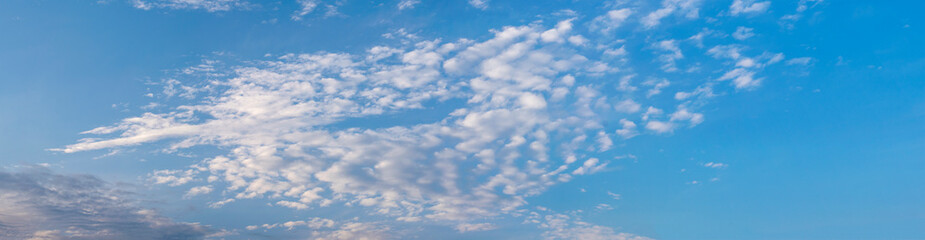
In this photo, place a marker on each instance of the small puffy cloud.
(172, 177)
(660, 126)
(741, 78)
(684, 115)
(480, 4)
(671, 52)
(590, 166)
(743, 33)
(657, 85)
(627, 106)
(198, 191)
(715, 165)
(748, 7)
(628, 129)
(613, 19)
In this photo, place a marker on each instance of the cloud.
(660, 126)
(275, 116)
(614, 195)
(715, 165)
(689, 8)
(198, 191)
(484, 124)
(800, 61)
(613, 19)
(560, 226)
(480, 4)
(474, 227)
(671, 53)
(313, 223)
(739, 7)
(208, 5)
(627, 106)
(407, 4)
(305, 7)
(743, 33)
(628, 129)
(39, 204)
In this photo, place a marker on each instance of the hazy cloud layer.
(38, 204)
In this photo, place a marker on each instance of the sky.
(462, 119)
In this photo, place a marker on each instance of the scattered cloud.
(688, 8)
(407, 4)
(475, 227)
(800, 61)
(208, 5)
(743, 33)
(751, 7)
(528, 107)
(715, 165)
(480, 4)
(613, 19)
(560, 226)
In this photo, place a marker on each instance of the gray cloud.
(38, 204)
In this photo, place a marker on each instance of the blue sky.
(305, 119)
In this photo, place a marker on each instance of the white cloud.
(748, 7)
(173, 177)
(313, 223)
(743, 33)
(657, 85)
(208, 5)
(302, 130)
(357, 230)
(651, 111)
(590, 166)
(407, 4)
(689, 8)
(741, 78)
(715, 165)
(628, 129)
(604, 141)
(198, 191)
(671, 53)
(683, 115)
(603, 207)
(660, 127)
(613, 19)
(627, 106)
(559, 226)
(480, 4)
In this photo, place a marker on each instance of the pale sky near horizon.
(462, 119)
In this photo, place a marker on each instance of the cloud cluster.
(481, 124)
(38, 204)
(207, 5)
